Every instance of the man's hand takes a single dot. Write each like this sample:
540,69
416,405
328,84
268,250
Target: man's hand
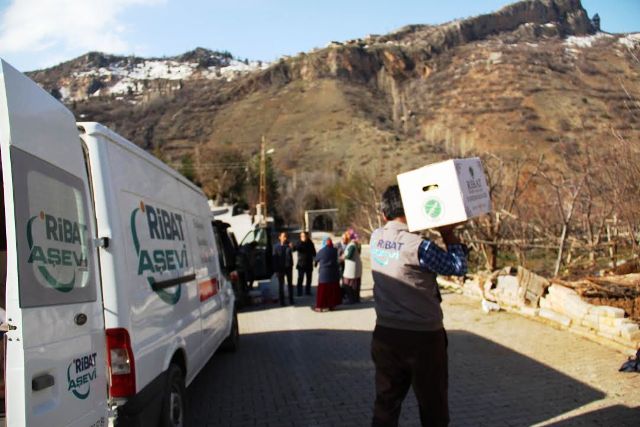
449,237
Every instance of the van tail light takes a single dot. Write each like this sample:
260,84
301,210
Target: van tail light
122,367
234,276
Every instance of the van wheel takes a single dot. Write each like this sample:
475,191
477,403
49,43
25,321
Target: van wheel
174,400
232,342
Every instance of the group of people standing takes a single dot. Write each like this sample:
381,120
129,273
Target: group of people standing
337,265
283,264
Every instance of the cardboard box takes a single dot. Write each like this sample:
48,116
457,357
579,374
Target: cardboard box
444,193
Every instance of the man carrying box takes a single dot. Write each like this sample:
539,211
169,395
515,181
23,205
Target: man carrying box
409,345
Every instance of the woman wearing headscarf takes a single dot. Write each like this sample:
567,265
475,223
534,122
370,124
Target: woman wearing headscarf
328,294
352,273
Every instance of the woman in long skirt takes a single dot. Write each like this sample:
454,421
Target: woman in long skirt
328,295
352,267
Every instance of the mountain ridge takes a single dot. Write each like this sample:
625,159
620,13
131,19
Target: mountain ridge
99,74
535,77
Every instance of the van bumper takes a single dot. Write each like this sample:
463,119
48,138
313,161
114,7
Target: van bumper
143,409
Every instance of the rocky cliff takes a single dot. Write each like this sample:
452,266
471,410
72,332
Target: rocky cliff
534,77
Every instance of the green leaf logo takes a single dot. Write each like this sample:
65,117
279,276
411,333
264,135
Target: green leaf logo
36,255
82,382
168,296
433,208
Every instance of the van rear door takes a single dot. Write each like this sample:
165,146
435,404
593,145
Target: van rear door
55,356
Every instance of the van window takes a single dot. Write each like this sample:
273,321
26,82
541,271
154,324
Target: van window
55,249
257,236
226,253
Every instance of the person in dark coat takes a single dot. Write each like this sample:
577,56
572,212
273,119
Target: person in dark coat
328,295
306,254
283,266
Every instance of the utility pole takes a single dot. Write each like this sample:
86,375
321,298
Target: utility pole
262,198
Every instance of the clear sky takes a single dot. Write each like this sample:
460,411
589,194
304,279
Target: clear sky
41,33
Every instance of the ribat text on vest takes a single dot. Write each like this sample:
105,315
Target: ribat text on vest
389,245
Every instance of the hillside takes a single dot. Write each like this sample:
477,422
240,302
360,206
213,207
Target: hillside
535,77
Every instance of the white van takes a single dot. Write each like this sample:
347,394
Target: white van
115,296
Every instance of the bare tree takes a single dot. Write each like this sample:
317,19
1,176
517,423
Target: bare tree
358,200
595,207
508,183
566,190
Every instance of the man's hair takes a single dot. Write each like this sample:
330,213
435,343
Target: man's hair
391,204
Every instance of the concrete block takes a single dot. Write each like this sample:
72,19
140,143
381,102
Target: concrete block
562,291
604,320
630,335
610,330
626,343
508,282
604,310
554,316
552,297
544,303
506,291
616,321
560,300
529,311
628,327
531,288
556,305
590,321
575,309
623,321
625,346
630,344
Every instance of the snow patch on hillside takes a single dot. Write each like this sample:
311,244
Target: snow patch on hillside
169,70
630,40
234,69
127,79
585,41
64,92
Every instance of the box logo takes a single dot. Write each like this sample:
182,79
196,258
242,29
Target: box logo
474,184
58,249
163,229
80,373
433,208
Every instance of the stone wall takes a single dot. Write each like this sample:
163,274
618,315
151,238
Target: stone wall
520,291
